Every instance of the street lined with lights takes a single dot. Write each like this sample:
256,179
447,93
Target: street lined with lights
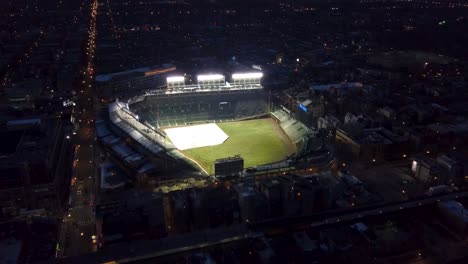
78,223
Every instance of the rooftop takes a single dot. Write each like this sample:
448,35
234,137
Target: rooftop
110,177
456,208
346,85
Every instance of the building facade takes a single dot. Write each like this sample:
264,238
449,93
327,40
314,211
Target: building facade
129,82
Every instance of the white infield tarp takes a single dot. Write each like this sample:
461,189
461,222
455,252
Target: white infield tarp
197,136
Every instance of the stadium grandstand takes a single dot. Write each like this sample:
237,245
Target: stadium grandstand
163,110
230,106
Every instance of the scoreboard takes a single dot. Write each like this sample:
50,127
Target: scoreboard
228,166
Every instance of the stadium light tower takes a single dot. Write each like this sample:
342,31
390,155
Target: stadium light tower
211,80
247,80
175,82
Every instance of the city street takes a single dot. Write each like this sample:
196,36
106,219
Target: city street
79,220
77,235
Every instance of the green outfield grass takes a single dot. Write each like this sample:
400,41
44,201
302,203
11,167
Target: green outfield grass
257,141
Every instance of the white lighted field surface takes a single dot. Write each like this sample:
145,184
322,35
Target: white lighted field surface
197,136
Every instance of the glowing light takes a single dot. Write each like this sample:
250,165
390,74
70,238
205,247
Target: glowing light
251,75
303,108
175,79
414,166
159,71
210,77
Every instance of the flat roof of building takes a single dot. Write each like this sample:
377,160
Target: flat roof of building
346,85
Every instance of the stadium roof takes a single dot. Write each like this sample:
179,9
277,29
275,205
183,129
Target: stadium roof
114,112
122,150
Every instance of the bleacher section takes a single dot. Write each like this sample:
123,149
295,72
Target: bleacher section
281,115
151,139
185,109
249,108
295,130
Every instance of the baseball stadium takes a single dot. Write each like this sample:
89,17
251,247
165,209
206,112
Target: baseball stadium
201,124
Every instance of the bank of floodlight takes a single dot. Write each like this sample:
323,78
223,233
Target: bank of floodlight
210,77
174,79
249,75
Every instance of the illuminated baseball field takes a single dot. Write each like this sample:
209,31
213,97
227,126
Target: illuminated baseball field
258,141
